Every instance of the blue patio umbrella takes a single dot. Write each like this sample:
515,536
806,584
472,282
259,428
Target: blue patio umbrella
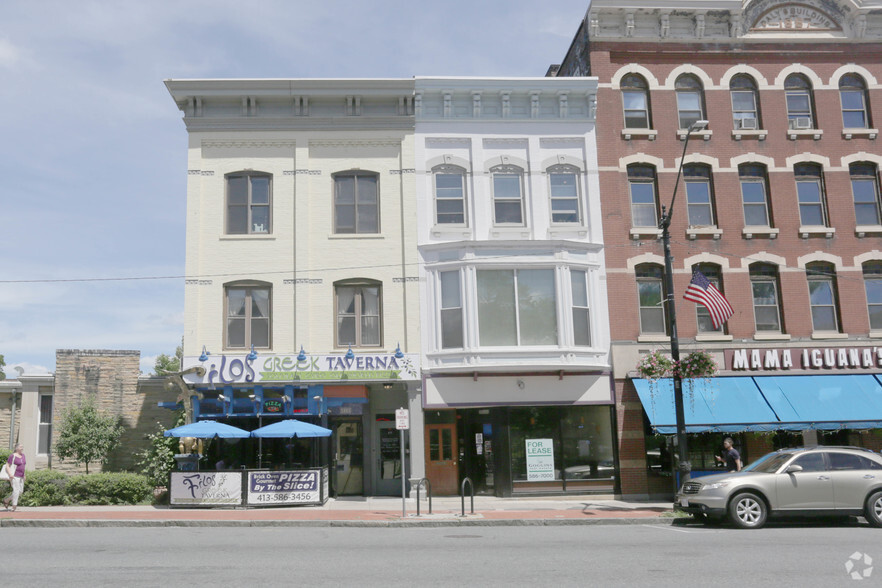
208,430
291,428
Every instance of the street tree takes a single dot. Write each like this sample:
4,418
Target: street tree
2,365
85,435
166,364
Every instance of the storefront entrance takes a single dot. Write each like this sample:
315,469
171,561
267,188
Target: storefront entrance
348,453
387,473
441,459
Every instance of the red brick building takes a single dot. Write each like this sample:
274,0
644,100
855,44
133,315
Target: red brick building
778,205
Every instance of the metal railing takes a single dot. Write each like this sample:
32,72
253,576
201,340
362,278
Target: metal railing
462,494
428,494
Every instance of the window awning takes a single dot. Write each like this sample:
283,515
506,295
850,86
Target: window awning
766,403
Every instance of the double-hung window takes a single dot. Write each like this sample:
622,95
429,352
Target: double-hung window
745,111
358,314
798,95
754,196
449,195
690,100
581,312
248,313
853,96
248,203
650,293
873,286
451,310
766,301
508,195
810,194
517,307
699,195
641,184
865,189
635,100
356,203
822,296
714,275
564,187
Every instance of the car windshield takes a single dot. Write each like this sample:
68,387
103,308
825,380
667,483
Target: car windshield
769,463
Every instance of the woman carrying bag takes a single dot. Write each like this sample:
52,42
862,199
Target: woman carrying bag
16,465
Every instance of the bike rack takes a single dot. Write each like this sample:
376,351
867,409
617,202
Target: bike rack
428,493
462,494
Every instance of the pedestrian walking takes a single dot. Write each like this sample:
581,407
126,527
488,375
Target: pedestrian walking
16,463
731,458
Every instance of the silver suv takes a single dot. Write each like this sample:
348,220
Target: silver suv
837,481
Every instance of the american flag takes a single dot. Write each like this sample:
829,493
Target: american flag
700,290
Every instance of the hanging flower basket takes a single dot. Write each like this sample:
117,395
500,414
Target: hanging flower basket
655,366
698,364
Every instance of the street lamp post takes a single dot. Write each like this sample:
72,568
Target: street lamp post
684,466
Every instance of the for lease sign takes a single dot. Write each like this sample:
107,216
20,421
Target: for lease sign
540,460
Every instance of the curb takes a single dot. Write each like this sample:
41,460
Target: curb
467,522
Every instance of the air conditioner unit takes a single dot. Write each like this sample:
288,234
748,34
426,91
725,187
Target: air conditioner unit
801,122
747,123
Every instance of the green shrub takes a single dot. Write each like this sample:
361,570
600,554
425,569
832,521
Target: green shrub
44,488
109,488
4,454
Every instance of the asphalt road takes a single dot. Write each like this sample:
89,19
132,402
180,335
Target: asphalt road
603,555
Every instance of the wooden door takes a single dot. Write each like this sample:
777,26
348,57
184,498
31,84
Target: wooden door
441,459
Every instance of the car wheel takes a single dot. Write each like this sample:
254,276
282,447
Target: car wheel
748,511
873,509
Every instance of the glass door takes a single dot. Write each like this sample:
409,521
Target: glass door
348,457
387,475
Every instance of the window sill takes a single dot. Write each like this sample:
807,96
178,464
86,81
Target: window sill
771,337
653,232
713,337
509,232
875,335
356,236
650,134
806,232
829,335
759,134
862,231
451,231
695,232
848,134
556,230
653,338
815,134
705,134
751,232
253,237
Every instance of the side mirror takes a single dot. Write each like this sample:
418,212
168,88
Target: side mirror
793,469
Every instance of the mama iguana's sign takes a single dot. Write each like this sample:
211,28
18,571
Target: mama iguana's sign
804,358
239,369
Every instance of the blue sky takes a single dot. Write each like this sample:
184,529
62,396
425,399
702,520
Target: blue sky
93,149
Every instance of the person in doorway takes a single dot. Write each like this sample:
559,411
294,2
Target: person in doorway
17,462
731,458
221,464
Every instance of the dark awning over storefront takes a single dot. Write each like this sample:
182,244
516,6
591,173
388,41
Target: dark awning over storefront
766,403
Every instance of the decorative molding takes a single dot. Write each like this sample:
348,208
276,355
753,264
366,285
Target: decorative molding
196,282
402,171
345,143
289,172
207,172
247,144
406,279
194,172
303,281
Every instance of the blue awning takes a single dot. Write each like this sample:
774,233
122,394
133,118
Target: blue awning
725,405
824,402
767,403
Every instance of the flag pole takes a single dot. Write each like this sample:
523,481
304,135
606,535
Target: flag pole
684,465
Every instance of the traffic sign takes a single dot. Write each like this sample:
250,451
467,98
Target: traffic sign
402,419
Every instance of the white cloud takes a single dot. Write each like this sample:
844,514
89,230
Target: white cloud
9,54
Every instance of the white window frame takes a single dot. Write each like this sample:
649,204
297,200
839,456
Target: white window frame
763,278
694,181
866,178
455,312
576,173
508,170
656,281
518,342
450,170
872,273
807,180
823,275
862,92
762,181
651,182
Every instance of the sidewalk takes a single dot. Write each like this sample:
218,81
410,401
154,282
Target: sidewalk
356,512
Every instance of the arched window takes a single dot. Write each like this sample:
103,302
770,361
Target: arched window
800,102
754,195
690,100
359,313
450,195
873,287
635,101
356,202
714,275
248,203
745,102
853,96
865,190
822,296
644,207
650,294
248,310
811,195
699,195
766,298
